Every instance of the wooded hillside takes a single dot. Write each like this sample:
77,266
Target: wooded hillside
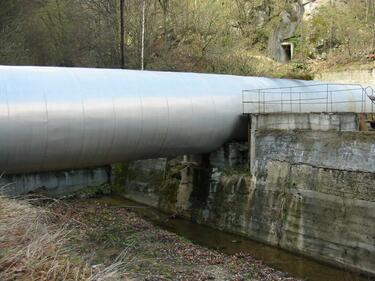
221,36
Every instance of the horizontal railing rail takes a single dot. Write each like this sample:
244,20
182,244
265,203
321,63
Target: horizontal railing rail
310,98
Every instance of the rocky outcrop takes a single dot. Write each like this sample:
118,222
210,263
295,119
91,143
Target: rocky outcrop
290,18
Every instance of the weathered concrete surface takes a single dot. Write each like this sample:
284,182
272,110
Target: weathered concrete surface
143,180
54,183
314,215
350,151
230,156
307,121
311,192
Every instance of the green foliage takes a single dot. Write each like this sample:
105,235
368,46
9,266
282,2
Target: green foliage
169,187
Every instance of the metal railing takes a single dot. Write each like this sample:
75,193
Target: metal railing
311,98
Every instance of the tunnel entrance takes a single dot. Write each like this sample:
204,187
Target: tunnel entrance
288,49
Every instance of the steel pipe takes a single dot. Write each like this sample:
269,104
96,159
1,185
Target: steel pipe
66,118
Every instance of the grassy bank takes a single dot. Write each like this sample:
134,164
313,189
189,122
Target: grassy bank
82,239
36,244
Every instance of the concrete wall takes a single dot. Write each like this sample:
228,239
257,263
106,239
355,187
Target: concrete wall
142,180
54,183
310,190
315,194
366,77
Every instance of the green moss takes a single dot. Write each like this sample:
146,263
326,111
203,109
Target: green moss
240,170
120,174
168,190
169,187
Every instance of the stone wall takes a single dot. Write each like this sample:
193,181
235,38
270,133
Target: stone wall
310,190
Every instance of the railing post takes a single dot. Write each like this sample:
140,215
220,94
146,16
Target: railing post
363,100
259,101
327,99
264,102
243,104
290,97
252,150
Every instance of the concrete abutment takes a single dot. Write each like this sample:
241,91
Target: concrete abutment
304,183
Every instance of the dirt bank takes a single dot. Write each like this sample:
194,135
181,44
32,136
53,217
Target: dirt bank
152,253
115,240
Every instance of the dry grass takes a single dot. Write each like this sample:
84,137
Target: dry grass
34,245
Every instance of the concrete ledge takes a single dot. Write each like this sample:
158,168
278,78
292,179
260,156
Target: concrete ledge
306,121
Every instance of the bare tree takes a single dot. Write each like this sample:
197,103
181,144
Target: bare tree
143,35
122,33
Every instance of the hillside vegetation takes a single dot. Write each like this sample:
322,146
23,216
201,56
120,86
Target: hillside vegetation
221,36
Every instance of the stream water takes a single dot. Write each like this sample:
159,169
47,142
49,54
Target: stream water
295,265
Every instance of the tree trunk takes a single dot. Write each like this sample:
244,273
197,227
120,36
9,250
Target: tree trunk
122,33
143,35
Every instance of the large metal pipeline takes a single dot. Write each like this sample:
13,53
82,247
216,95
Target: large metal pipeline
67,118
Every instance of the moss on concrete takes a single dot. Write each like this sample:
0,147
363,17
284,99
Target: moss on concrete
169,187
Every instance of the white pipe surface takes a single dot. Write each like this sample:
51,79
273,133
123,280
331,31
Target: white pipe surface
66,118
